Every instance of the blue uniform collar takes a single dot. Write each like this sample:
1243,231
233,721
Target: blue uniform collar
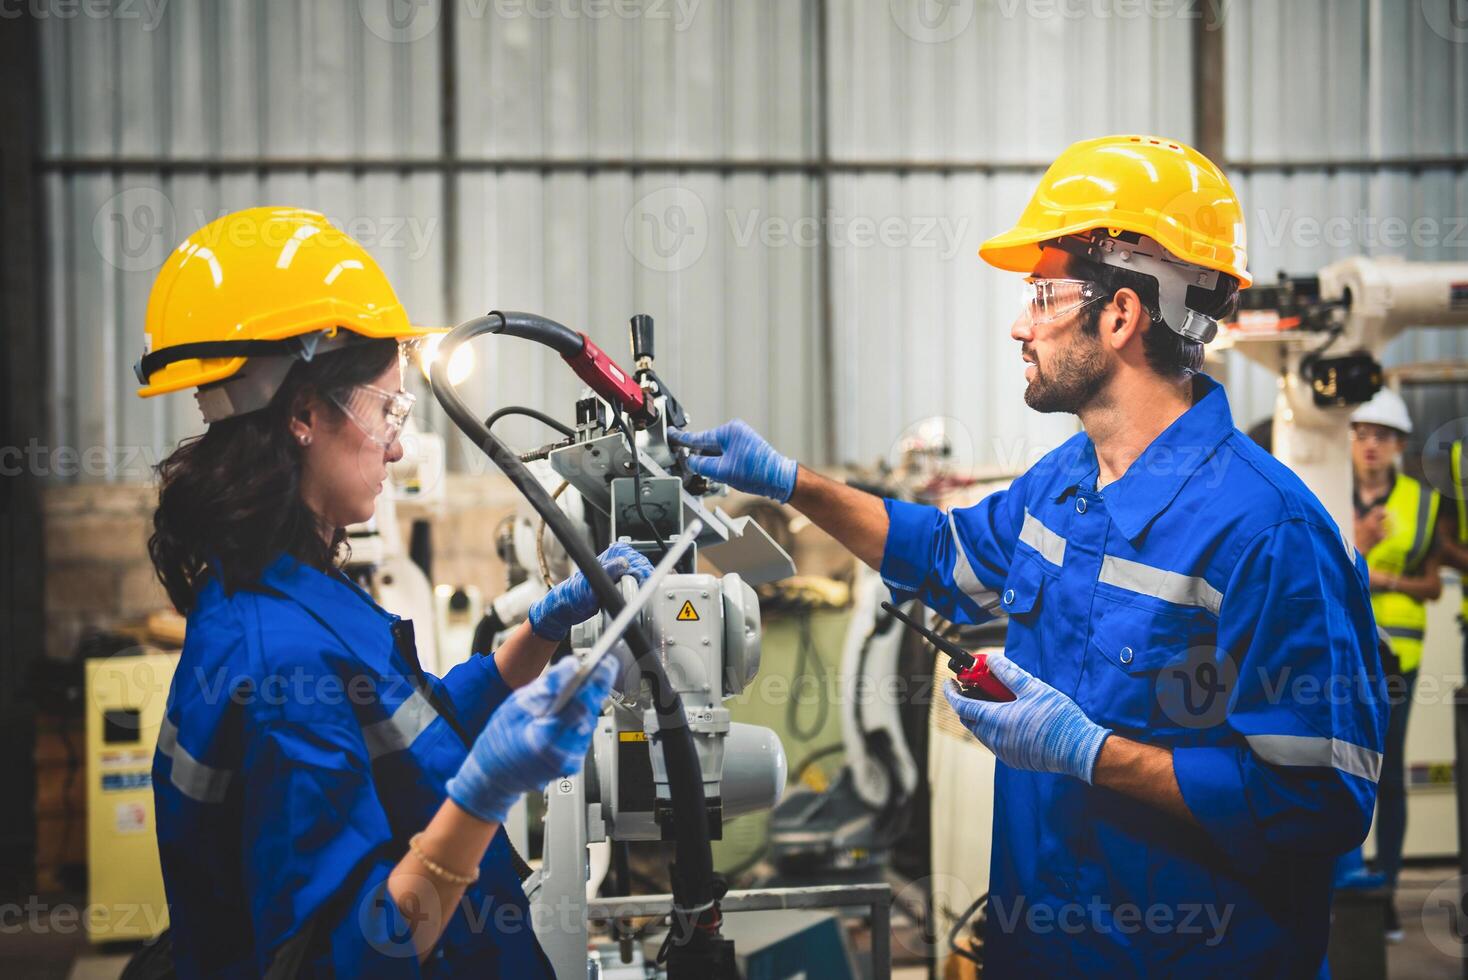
329,595
1155,477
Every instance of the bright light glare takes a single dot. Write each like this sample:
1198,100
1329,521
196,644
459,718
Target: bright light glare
460,367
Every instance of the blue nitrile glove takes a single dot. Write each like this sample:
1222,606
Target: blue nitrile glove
739,456
1041,729
519,751
572,601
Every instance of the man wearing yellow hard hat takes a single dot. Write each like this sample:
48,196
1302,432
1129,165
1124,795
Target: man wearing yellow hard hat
325,806
1197,717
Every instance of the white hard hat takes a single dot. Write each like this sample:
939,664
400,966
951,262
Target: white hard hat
1386,408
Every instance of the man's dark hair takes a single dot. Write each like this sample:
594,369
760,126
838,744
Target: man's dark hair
1168,353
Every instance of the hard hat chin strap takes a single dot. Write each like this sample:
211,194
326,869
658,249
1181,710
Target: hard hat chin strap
1174,277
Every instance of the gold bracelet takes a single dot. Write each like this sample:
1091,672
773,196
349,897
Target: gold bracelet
438,869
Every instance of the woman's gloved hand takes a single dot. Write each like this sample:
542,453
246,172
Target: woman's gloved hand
739,456
572,601
520,751
1041,729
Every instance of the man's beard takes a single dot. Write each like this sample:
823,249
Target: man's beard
1073,378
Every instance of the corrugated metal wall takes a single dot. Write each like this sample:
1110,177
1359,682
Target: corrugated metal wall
922,325
211,87
727,253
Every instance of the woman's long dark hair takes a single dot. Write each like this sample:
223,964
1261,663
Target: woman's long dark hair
229,500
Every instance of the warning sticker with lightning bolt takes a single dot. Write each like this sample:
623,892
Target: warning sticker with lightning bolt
687,614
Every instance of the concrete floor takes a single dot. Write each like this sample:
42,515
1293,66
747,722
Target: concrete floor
1427,950
1425,954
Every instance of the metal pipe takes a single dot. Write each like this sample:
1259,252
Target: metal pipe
636,165
588,165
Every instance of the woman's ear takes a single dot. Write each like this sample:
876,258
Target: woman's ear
304,416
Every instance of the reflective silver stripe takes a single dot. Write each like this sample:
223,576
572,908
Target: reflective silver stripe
964,577
409,720
1312,750
193,779
1050,545
1184,590
1403,632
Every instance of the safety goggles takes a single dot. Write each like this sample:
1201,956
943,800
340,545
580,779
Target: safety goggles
1379,434
380,414
1050,299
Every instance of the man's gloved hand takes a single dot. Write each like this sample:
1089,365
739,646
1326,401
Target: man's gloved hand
572,601
1041,729
520,752
739,456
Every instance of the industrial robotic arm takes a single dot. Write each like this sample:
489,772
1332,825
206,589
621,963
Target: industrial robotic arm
1324,335
667,763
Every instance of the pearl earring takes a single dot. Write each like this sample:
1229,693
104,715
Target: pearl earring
305,440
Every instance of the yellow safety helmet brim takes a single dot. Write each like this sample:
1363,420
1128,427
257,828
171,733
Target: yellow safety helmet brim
264,274
1147,185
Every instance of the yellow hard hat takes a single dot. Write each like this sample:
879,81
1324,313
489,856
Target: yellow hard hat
1146,185
263,282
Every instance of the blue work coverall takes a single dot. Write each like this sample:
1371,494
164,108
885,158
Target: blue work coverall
1205,603
302,747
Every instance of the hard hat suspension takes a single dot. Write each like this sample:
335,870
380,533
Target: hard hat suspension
1140,254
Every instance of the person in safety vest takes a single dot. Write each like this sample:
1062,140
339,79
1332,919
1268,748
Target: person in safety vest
1452,536
1396,529
325,806
1169,798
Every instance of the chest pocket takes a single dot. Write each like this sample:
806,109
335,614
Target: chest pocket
1153,670
1021,599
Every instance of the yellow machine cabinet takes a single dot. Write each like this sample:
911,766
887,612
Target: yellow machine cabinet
126,697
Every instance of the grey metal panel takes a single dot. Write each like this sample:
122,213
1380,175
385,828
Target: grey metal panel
278,78
735,310
1333,79
923,325
715,78
1007,80
1296,79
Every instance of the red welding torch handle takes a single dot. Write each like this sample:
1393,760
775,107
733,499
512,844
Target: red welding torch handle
602,374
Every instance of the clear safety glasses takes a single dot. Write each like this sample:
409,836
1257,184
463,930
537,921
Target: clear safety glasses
1050,299
380,414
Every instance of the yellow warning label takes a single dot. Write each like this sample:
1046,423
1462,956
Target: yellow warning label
632,736
687,614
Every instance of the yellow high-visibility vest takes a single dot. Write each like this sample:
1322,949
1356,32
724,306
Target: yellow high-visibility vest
1411,512
1456,456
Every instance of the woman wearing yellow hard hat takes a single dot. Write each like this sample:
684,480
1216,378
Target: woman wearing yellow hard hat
324,805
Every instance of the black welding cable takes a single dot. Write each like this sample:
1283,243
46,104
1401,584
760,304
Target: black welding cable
958,925
532,413
694,883
808,663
